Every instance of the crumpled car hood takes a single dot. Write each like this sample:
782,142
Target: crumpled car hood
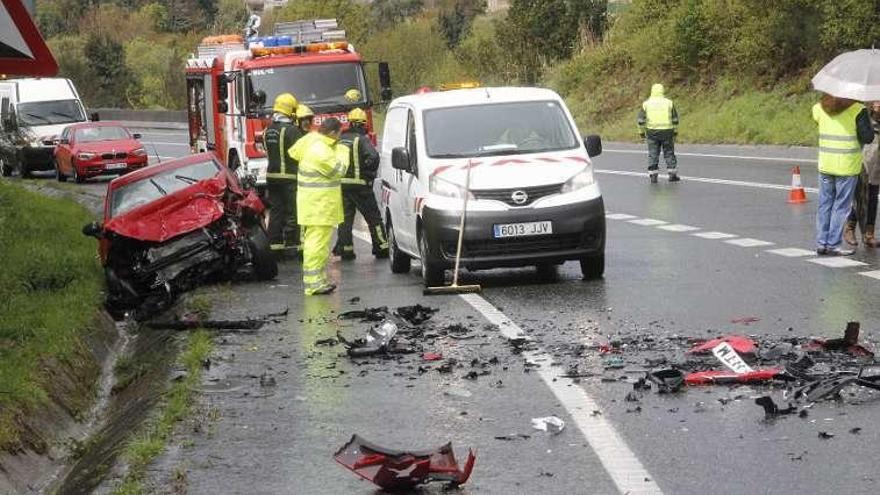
186,210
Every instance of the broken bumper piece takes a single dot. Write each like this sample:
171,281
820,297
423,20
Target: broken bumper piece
396,469
717,377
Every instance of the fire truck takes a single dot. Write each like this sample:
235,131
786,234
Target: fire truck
232,82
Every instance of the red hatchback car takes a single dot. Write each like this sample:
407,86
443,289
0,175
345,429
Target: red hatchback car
97,148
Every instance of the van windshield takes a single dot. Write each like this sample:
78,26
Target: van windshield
497,129
50,112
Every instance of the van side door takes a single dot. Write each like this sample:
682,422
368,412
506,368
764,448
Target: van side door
392,194
410,183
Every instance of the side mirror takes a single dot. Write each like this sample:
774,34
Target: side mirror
258,99
400,159
593,143
222,106
64,141
94,117
385,81
93,229
136,135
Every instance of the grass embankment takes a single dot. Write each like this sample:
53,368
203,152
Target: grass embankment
151,441
50,288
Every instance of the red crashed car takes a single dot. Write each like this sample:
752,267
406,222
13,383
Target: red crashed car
97,148
172,226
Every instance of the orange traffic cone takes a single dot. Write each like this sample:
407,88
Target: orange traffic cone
797,194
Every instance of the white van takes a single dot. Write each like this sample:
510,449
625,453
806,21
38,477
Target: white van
39,109
533,198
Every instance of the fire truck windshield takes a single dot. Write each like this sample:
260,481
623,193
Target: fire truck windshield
317,85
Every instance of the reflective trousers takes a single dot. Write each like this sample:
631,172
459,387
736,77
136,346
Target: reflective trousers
283,230
316,253
360,198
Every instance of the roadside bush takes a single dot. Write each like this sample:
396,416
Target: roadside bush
50,287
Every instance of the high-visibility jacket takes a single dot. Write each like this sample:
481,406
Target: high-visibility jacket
363,159
278,137
658,112
840,152
322,163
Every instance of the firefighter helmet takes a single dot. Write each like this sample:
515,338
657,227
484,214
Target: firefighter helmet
357,115
303,112
353,95
285,103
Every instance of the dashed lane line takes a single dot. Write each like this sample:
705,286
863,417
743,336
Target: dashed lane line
792,252
677,227
872,274
712,155
837,262
619,216
621,464
714,235
648,222
709,180
749,242
619,461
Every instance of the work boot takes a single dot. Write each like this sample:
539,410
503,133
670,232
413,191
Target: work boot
840,252
381,253
653,176
325,290
869,239
849,233
673,176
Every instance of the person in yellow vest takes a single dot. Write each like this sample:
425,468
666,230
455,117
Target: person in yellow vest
844,127
357,189
278,137
322,163
868,189
658,125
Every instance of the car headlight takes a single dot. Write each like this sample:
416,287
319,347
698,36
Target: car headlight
441,187
583,179
139,152
85,155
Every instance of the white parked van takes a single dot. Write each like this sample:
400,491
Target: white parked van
533,198
38,109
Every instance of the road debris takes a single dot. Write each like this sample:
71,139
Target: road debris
550,424
192,322
397,469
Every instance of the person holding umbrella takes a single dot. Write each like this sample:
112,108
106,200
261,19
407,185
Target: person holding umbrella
844,127
865,207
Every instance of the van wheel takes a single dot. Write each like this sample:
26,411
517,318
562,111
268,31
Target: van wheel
593,267
23,170
547,272
432,274
400,262
5,167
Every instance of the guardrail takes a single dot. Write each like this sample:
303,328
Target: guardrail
144,119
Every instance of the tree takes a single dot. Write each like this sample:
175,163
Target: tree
387,13
112,77
455,17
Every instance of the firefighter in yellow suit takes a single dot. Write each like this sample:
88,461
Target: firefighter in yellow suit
322,164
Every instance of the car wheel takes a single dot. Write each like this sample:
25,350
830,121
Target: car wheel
59,175
400,262
76,177
23,170
593,267
432,273
547,272
264,262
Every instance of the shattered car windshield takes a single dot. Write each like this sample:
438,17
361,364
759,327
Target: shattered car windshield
50,112
500,129
149,189
102,133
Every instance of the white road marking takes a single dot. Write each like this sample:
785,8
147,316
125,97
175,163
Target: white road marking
619,216
709,180
619,461
872,274
621,464
714,235
677,227
648,222
792,252
712,155
749,242
836,262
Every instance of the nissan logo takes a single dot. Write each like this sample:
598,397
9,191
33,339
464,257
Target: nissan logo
519,197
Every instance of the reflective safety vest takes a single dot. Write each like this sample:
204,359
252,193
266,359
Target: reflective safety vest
278,137
322,164
839,150
658,113
353,176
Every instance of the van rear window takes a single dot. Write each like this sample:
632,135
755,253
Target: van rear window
497,129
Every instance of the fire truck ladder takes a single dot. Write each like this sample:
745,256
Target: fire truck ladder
314,31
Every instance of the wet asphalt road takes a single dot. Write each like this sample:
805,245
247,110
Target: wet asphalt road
659,280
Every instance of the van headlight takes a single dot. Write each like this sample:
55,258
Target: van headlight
579,181
442,187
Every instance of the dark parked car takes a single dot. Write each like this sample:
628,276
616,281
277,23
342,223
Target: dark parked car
172,226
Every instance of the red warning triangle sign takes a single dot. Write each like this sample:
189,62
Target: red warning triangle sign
22,49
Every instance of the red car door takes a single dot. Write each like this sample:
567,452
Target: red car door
63,153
